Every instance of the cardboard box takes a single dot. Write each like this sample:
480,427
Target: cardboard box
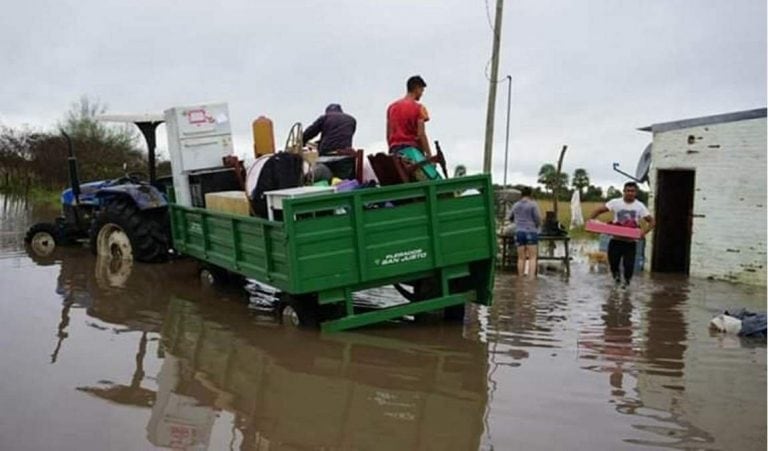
233,202
614,230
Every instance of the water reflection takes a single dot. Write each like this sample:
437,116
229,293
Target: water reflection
663,375
16,214
352,391
666,333
132,394
661,372
284,388
617,346
550,366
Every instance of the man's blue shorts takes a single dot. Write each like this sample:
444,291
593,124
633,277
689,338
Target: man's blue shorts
526,238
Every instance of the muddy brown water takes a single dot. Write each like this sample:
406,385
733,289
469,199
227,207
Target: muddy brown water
98,356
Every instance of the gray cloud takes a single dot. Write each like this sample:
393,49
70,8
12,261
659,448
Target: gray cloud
585,73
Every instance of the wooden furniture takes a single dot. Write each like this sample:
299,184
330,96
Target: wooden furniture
546,242
392,170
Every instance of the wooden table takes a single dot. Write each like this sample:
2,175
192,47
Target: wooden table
509,251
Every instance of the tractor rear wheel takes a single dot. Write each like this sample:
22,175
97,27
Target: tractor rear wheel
123,231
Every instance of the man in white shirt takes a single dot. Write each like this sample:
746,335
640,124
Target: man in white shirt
627,212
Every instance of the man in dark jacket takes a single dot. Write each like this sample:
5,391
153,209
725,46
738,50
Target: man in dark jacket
336,129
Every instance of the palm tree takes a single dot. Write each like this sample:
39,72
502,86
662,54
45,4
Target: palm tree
580,180
548,177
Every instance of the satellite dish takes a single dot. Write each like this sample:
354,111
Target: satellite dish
644,165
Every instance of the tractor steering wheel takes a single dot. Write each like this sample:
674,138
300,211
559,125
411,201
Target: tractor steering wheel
137,177
132,177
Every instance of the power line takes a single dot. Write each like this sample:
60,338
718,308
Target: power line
488,16
493,31
490,114
487,76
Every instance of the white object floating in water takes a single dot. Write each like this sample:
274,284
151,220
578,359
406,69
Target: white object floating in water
726,323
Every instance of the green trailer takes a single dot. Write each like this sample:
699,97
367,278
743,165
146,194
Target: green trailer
435,241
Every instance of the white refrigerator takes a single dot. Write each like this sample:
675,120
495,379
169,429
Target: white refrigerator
199,136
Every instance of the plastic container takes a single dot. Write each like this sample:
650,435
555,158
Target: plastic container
263,136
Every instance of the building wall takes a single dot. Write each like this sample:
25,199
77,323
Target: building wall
729,225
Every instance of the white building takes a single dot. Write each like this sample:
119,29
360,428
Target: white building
708,194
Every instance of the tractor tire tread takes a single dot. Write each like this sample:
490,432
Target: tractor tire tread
47,227
145,232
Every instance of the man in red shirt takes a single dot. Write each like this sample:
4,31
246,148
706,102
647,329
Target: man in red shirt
406,118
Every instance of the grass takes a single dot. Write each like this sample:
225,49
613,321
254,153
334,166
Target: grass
45,196
35,194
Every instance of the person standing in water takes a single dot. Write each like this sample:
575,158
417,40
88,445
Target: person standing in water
627,212
527,218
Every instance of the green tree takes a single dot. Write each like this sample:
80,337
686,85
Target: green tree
580,180
549,179
612,193
101,149
547,175
38,158
594,193
642,196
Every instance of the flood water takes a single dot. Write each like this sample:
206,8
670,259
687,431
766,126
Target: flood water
99,356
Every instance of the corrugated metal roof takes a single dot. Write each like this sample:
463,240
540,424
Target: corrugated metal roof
706,120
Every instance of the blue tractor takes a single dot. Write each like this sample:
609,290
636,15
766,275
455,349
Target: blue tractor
126,218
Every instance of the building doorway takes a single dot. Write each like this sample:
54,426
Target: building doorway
674,221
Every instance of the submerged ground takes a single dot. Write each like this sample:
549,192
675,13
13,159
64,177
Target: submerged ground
95,356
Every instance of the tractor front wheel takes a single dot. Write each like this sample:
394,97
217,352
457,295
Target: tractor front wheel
42,238
123,231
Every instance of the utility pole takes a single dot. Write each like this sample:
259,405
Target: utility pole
488,155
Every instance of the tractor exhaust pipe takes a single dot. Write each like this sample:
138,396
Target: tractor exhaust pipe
74,180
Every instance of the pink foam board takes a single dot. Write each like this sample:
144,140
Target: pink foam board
614,230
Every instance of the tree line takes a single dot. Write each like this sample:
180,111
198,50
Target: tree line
38,158
580,182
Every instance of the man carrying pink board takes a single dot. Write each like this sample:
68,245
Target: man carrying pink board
627,213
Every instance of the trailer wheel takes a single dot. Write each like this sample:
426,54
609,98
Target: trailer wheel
300,311
455,313
423,290
212,277
429,288
42,238
122,230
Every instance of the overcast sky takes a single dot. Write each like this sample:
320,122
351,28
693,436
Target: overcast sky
586,73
